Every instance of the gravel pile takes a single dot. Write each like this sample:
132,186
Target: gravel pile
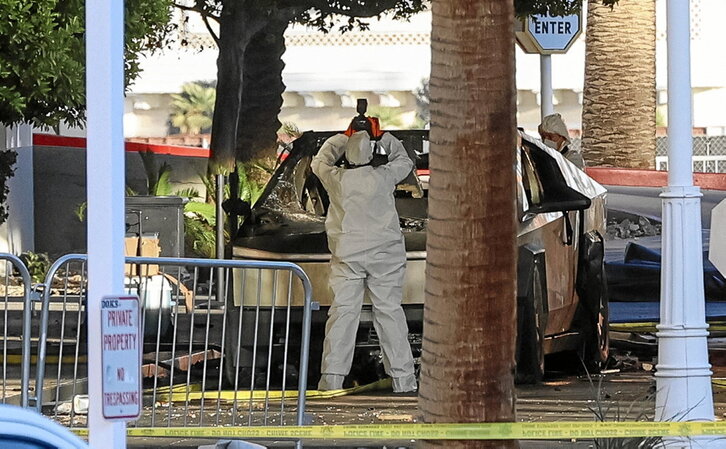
634,227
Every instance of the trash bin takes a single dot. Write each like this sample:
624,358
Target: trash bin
158,215
154,294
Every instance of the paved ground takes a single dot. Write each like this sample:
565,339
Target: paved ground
647,202
568,398
624,393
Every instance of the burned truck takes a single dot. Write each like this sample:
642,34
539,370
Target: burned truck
561,294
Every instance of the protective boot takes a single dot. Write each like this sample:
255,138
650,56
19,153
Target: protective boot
331,382
405,384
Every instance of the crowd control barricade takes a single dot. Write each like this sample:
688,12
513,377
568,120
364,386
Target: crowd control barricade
17,310
206,362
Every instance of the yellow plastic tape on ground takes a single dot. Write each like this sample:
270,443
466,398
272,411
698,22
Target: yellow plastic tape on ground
713,326
474,431
17,359
180,393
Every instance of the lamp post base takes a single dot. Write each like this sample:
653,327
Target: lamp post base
683,377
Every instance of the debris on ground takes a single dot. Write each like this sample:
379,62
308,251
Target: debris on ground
633,227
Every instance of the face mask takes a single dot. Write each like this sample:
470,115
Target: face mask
551,144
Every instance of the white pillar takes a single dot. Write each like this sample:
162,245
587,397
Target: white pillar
106,170
18,231
683,376
545,81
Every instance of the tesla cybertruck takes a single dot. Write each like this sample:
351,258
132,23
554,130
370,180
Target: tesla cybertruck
561,292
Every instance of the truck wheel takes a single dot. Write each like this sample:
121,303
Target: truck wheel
593,312
600,344
531,315
242,357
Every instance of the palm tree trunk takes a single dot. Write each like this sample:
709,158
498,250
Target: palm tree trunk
619,104
262,90
237,25
469,331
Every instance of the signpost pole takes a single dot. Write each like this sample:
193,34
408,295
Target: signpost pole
683,376
545,73
546,35
105,181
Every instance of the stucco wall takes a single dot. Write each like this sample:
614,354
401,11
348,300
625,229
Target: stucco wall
60,186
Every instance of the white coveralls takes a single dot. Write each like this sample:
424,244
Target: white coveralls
368,254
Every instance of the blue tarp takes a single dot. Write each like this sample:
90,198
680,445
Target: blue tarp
646,312
637,276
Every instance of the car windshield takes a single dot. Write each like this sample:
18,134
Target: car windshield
295,193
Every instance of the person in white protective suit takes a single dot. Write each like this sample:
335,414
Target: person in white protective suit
368,254
555,135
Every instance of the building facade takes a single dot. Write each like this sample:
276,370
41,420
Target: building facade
389,64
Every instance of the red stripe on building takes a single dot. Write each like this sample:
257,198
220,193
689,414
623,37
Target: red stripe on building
651,178
50,140
604,175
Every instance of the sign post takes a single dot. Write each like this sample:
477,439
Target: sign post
105,186
545,90
121,357
547,35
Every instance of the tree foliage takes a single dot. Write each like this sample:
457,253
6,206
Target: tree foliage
552,7
251,43
42,62
249,68
42,56
192,109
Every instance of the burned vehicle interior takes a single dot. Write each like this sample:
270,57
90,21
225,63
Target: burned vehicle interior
560,282
290,214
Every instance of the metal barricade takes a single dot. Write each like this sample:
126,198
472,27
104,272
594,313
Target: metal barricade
16,307
207,361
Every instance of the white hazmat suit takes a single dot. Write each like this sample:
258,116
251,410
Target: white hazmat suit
368,255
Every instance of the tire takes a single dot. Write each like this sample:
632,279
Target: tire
246,344
593,311
245,362
531,315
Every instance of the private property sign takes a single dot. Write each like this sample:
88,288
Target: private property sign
546,34
121,357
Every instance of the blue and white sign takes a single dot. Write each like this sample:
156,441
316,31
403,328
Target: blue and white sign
546,34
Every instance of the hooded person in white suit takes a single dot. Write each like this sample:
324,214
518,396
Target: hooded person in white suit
555,135
368,255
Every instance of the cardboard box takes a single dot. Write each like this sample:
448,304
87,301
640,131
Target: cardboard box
149,248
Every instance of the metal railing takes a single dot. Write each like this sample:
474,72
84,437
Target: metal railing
701,164
709,153
14,302
210,357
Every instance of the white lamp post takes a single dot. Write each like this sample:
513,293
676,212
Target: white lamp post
105,179
683,374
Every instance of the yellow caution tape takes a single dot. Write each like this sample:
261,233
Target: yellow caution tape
651,327
473,431
17,359
180,393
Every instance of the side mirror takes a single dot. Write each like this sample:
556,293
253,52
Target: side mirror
575,201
